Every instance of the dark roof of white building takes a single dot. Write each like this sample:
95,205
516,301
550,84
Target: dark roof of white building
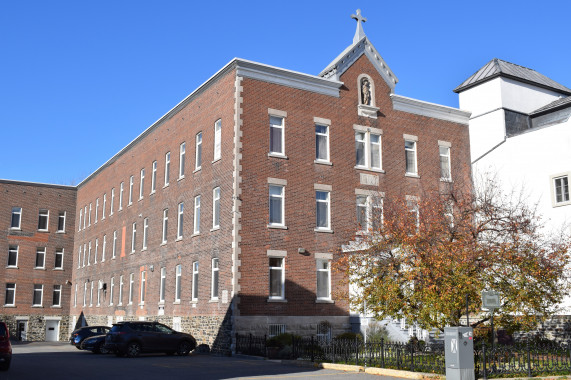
496,68
558,104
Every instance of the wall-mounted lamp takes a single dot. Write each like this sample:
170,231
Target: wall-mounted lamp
152,268
303,251
67,282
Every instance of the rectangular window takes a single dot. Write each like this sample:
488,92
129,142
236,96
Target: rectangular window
198,158
369,212
56,299
121,190
197,214
322,210
163,285
89,219
84,217
445,172
216,208
112,201
80,218
214,285
142,184
413,209
143,286
13,256
84,253
277,135
43,218
84,294
277,205
165,224
167,168
89,255
79,258
277,277
104,205
41,258
410,157
217,140
114,248
131,287
145,232
75,296
58,264
61,222
131,184
323,279
368,150
91,294
120,301
96,250
16,221
154,178
10,299
96,209
103,248
133,237
38,294
322,143
195,281
180,219
112,291
177,288
181,155
561,187
99,288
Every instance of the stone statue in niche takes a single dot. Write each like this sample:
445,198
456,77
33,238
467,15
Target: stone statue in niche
365,92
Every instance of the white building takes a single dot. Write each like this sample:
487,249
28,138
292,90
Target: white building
520,130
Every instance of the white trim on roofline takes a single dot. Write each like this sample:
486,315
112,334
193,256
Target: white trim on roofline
419,107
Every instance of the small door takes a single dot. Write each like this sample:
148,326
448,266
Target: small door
52,331
22,330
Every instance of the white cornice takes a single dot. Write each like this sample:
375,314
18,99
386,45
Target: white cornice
419,107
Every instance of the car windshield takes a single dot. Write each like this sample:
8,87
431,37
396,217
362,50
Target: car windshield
164,329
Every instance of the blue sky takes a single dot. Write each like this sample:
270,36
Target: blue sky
79,80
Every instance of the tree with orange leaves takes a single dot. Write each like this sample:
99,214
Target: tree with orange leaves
421,257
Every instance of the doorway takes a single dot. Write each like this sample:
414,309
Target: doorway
22,330
52,330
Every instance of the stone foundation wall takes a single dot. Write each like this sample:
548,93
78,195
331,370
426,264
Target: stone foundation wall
36,331
557,328
299,325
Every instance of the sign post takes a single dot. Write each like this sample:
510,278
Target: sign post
491,302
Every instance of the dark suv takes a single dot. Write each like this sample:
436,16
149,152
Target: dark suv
5,347
77,336
132,338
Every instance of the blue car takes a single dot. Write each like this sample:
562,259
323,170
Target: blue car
95,344
77,336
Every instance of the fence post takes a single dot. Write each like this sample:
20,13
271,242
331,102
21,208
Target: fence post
312,348
411,356
250,345
485,374
528,360
382,352
356,350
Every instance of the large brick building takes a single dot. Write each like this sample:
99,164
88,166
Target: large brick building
225,215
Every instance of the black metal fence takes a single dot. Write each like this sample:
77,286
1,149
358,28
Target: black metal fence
521,359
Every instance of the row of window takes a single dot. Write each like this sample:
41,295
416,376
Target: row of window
85,254
86,211
40,262
37,295
368,147
43,220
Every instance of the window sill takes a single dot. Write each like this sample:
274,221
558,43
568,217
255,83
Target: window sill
324,301
411,175
375,170
11,306
195,234
328,163
62,232
143,249
178,239
57,306
152,192
120,209
140,199
328,231
19,229
130,253
38,306
214,229
216,160
180,178
12,267
276,300
560,204
163,243
166,185
194,301
449,180
277,155
197,170
49,231
61,269
277,227
176,302
41,268
213,300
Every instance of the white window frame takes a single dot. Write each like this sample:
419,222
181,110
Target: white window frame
75,296
142,184
276,269
368,146
121,191
181,163
145,233
59,252
195,280
114,250
61,215
131,184
85,217
217,140
276,185
215,279
89,219
553,183
216,208
154,178
41,290
281,128
133,237
42,251
178,283
320,260
99,287
447,156
96,249
131,287
91,294
198,152
18,211
120,301
84,254
373,200
324,123
143,287
57,290
79,258
112,201
89,254
111,291
167,168
44,218
413,206
104,205
13,250
162,285
165,225
103,248
96,209
180,221
85,294
13,289
323,189
80,218
408,151
196,216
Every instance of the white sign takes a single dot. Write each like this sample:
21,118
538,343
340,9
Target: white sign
453,345
490,300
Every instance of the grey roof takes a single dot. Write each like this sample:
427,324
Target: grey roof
559,103
496,68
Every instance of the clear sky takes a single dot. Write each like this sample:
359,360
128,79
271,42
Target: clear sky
79,80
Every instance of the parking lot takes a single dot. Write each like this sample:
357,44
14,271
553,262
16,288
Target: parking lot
63,361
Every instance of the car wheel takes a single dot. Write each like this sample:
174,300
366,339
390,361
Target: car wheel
133,349
101,349
184,348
